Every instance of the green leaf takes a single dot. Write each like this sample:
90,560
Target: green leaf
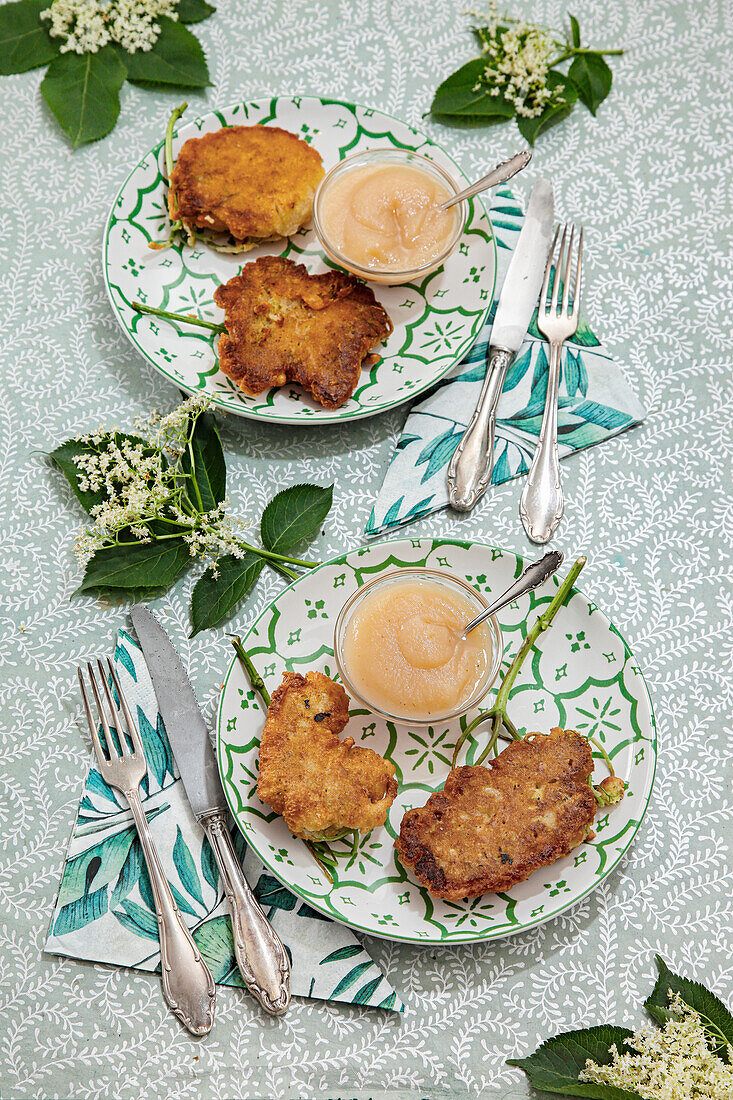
592,77
215,942
531,128
24,40
176,58
137,565
294,516
138,920
214,598
574,30
64,455
270,892
193,11
130,873
204,461
82,90
186,867
459,97
341,953
364,995
556,1064
352,976
77,914
209,866
716,1019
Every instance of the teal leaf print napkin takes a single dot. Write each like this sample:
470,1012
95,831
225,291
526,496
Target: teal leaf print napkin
104,910
595,404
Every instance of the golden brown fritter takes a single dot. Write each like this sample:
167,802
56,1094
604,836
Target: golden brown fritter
319,784
255,182
491,827
284,325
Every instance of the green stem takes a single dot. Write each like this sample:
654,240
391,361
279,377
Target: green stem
604,754
189,319
290,574
270,555
498,713
193,467
253,675
577,50
175,115
319,861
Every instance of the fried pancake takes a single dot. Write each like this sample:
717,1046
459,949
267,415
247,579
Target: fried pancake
319,784
255,182
284,325
491,827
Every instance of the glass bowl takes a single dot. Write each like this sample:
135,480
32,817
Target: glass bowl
387,156
477,602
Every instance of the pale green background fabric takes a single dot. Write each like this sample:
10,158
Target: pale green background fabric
650,178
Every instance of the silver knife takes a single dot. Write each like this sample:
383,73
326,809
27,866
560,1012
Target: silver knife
261,957
469,473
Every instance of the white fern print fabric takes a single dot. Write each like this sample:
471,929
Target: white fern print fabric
651,509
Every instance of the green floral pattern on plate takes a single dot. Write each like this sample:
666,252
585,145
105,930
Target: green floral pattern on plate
586,679
435,321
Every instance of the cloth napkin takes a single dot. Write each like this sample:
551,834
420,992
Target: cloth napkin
595,404
104,909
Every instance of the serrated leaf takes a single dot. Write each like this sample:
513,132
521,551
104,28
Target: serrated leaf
557,1063
204,462
186,868
574,30
459,96
716,1018
531,128
215,598
592,77
294,516
138,565
82,91
176,58
193,11
24,39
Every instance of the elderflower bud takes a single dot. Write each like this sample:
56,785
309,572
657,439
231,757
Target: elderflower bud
611,790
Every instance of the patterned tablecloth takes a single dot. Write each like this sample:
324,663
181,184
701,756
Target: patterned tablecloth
648,508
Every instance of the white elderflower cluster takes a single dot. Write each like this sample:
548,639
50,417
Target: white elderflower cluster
518,58
88,25
676,1062
168,433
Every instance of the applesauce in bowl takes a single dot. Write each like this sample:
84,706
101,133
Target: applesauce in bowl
399,647
378,215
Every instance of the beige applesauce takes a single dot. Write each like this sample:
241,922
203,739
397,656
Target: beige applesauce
387,217
404,654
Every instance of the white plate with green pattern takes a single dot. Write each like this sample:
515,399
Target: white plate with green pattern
435,320
582,676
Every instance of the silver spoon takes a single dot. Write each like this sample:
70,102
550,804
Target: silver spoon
500,174
532,577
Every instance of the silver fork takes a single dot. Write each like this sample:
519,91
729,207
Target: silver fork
542,505
188,987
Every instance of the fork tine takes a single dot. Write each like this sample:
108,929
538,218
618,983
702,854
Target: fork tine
111,747
114,711
564,307
578,270
101,755
558,268
131,727
548,272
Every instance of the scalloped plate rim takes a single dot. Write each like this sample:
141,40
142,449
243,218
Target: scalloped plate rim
486,935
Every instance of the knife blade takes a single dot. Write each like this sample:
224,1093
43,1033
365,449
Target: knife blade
472,464
260,955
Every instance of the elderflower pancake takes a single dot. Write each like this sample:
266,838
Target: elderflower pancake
254,182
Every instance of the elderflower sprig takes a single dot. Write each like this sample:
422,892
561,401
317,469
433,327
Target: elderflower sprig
675,1062
86,26
687,1057
518,74
157,499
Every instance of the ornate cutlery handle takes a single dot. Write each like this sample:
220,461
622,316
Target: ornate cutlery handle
541,506
188,986
470,469
261,957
